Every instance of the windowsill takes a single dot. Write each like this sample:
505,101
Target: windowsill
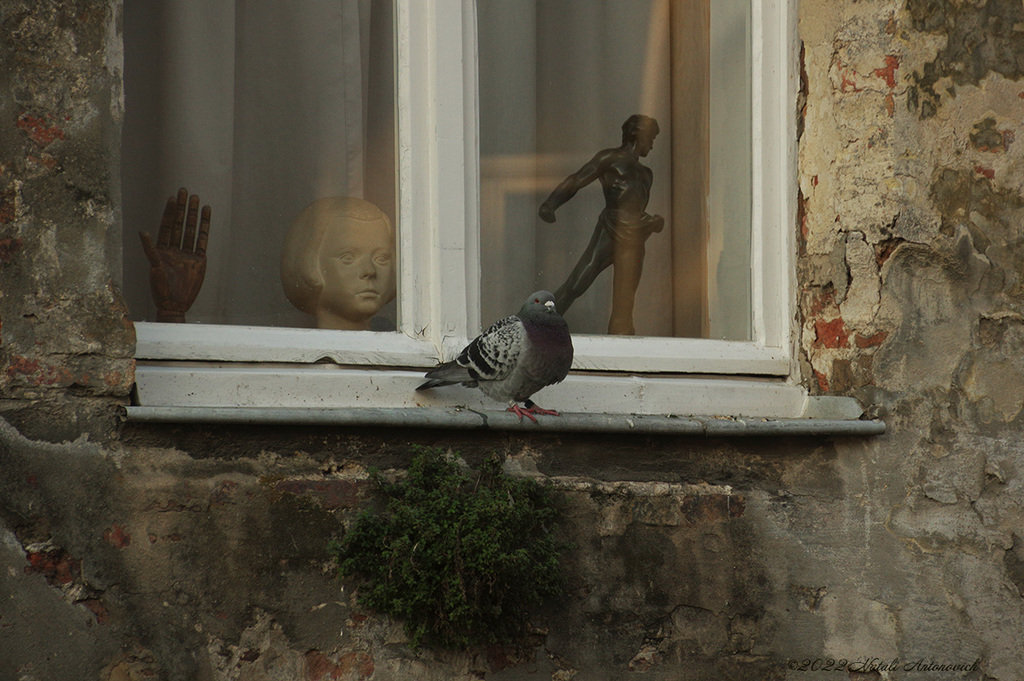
327,394
330,386
471,419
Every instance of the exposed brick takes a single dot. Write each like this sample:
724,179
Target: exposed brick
115,379
96,607
39,129
888,72
870,341
801,215
822,381
8,199
117,536
847,76
38,373
355,666
831,334
8,247
56,566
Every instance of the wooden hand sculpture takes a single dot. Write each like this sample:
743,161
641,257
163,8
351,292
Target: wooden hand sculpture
177,264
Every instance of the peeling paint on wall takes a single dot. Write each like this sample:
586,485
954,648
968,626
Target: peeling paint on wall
981,38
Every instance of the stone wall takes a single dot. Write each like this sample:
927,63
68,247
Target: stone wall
177,552
66,344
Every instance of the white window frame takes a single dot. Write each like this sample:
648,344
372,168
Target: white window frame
193,365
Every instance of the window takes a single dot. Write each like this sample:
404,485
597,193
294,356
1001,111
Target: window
480,120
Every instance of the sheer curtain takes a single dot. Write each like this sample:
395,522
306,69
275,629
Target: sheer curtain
259,107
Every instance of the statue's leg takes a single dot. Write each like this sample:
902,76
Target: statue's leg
629,265
595,259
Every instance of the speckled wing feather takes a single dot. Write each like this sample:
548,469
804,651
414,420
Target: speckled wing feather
492,355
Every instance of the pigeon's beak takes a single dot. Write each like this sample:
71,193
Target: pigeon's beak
550,305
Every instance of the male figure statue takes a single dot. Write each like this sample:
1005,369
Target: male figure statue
623,226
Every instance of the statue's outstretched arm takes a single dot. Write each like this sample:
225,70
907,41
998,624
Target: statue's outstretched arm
568,187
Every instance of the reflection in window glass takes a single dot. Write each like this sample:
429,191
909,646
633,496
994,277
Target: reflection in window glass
268,111
558,81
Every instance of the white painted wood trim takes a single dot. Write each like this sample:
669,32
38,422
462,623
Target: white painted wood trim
333,387
438,170
679,355
773,89
223,343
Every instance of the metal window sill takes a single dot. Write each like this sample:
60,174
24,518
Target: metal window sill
472,419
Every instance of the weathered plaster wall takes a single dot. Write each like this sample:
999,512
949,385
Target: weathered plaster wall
66,344
911,261
200,553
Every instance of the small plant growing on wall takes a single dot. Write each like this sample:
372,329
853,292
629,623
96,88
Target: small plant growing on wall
460,556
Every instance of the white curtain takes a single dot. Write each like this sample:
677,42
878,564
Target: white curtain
259,107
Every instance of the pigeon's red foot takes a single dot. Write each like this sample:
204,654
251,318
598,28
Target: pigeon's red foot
520,412
530,410
534,409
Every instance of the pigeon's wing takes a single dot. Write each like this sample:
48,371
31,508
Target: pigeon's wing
448,373
493,355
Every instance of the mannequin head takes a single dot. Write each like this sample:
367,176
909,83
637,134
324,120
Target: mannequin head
338,262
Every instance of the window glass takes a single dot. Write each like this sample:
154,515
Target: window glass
280,117
651,232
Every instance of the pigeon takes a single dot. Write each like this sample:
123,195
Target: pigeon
514,358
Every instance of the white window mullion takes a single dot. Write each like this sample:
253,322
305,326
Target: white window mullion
415,243
471,165
437,112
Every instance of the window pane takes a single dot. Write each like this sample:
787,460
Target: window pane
262,108
558,81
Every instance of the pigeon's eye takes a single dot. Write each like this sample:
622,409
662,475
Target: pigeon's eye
536,300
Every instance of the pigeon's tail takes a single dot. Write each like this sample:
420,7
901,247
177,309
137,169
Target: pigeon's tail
448,373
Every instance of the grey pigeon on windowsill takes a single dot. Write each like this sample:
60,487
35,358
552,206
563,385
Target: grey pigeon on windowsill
514,358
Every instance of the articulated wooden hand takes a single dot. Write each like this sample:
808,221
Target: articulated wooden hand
178,260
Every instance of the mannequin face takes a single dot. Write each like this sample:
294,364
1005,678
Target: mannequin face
358,267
